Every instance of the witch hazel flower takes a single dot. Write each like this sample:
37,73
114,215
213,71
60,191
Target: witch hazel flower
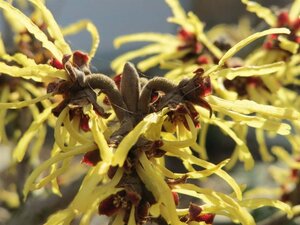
189,46
126,139
282,18
129,166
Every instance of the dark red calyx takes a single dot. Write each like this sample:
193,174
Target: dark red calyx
111,205
91,158
117,79
112,171
51,87
133,197
202,60
283,19
194,211
296,24
268,45
203,84
56,63
84,122
254,81
175,197
185,35
80,58
205,87
198,47
208,218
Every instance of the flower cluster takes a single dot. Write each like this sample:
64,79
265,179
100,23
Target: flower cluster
125,128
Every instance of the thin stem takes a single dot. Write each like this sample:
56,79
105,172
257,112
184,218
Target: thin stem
108,87
156,84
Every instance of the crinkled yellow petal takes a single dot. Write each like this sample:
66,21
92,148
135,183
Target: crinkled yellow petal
146,37
36,92
39,73
52,176
193,175
294,142
271,83
131,138
237,47
63,217
294,10
247,107
53,28
243,150
104,150
152,179
57,158
10,198
179,70
202,140
38,143
185,138
256,57
263,192
91,193
186,24
128,141
14,24
207,165
249,71
157,59
233,159
119,219
262,12
19,58
201,150
261,202
279,174
221,91
202,38
32,108
118,63
288,45
59,138
20,149
222,201
87,217
54,182
296,209
256,121
197,223
283,154
131,220
177,9
32,28
74,131
4,95
95,175
90,27
262,147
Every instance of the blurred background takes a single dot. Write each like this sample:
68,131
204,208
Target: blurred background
119,17
114,18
